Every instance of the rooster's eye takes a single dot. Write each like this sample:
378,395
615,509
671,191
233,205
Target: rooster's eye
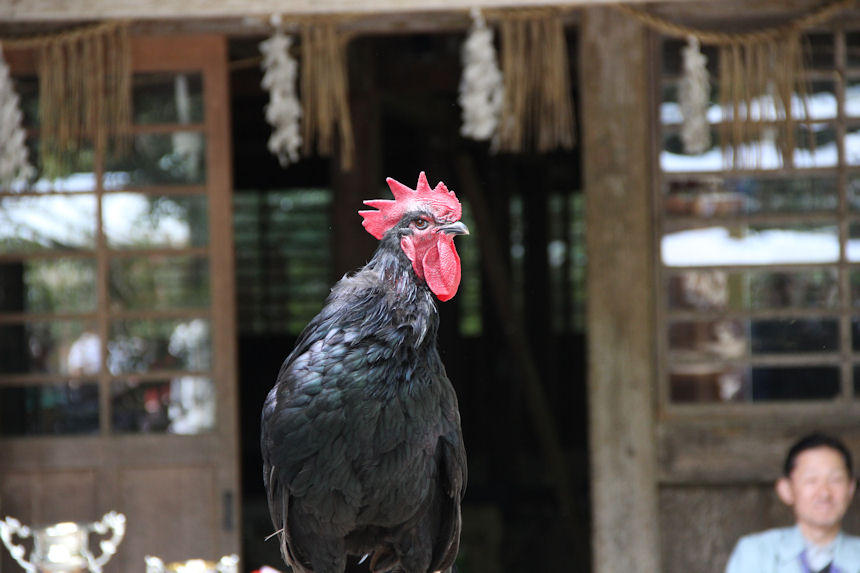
421,224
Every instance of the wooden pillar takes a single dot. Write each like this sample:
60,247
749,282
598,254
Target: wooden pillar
621,379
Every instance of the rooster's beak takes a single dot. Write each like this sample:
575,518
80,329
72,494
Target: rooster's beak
457,228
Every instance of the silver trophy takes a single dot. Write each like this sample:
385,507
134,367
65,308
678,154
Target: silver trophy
64,547
227,564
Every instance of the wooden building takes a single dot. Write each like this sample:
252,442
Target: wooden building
642,328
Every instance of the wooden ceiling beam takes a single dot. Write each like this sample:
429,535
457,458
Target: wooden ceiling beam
88,10
250,18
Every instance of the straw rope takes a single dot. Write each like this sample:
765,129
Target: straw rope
73,35
84,90
817,16
324,88
537,110
760,72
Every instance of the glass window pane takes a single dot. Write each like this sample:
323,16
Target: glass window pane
852,97
673,157
852,49
184,405
670,107
854,279
50,347
852,145
167,97
799,383
708,340
137,220
716,290
158,159
717,196
821,50
786,336
48,285
159,282
853,192
159,344
698,384
855,334
732,338
50,409
73,171
703,384
857,382
815,145
852,249
745,244
820,102
33,223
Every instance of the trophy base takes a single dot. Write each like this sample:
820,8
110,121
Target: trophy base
62,568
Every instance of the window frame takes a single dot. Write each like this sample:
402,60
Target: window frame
847,404
168,54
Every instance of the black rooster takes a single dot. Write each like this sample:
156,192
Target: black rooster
362,449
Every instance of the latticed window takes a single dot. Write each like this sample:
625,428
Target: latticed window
105,276
759,274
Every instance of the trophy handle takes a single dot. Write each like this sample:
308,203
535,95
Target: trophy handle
228,564
116,523
9,527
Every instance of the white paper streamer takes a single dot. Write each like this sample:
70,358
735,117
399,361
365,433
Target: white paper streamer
694,96
284,110
481,88
15,166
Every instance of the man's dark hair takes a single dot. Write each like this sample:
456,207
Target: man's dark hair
816,440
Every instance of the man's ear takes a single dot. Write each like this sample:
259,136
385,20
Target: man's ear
784,491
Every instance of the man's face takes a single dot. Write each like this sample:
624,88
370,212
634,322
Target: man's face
819,489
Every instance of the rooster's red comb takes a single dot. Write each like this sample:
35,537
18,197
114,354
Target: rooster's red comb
439,201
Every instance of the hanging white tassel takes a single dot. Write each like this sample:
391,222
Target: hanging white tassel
481,88
694,96
15,168
284,110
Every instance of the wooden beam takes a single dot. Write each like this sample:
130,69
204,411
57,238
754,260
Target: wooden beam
20,18
615,115
84,10
746,450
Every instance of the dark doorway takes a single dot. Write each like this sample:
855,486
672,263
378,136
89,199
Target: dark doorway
297,232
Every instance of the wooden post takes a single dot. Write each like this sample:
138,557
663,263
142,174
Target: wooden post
621,379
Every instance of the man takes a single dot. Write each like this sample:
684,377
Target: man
818,484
